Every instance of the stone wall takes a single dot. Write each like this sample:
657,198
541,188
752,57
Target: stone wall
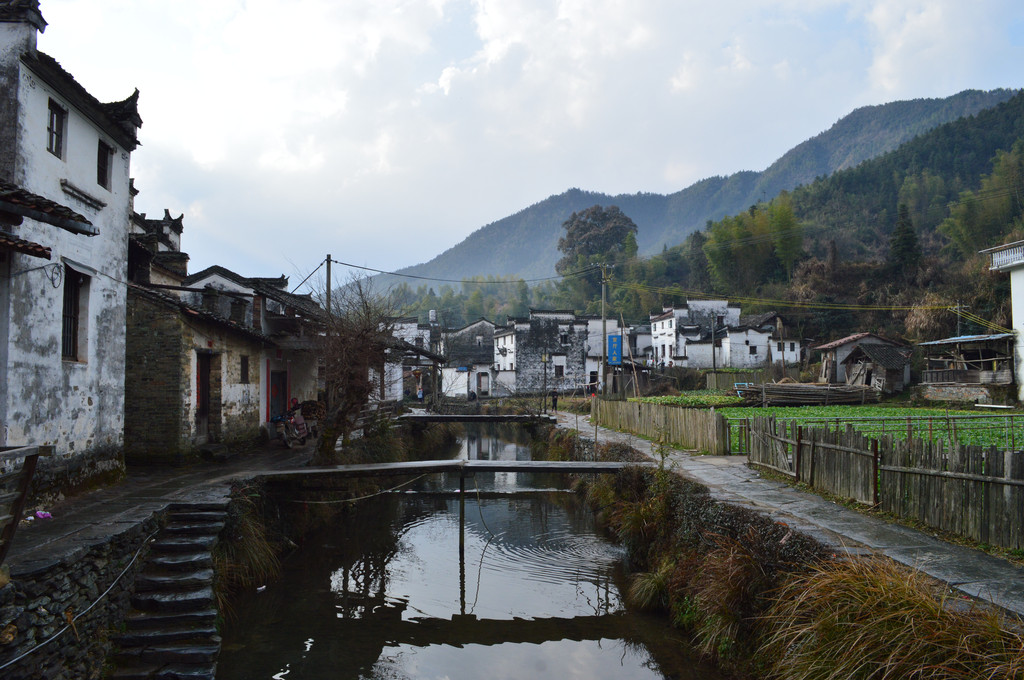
545,336
59,476
39,597
156,377
966,394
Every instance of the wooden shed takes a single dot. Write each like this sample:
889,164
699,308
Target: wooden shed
884,367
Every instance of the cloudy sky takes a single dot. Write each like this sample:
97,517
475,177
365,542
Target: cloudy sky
384,131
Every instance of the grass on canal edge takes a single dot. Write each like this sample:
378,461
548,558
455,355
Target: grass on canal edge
767,602
245,557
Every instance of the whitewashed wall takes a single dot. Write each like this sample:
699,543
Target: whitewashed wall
78,406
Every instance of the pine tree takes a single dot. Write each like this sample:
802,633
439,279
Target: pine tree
904,251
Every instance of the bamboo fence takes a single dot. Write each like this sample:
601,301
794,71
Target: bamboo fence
686,428
969,490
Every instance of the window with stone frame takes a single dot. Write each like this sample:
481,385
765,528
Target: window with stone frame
244,370
57,122
76,303
104,164
753,349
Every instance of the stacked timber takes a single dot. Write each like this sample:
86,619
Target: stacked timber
807,394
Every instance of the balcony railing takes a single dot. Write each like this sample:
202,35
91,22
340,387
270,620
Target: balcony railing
968,377
1011,256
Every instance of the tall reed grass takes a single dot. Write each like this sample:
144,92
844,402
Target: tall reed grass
872,618
768,602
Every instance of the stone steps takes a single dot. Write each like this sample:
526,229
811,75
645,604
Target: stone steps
157,581
171,633
139,621
178,543
184,561
176,601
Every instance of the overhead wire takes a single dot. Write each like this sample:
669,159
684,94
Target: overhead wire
581,272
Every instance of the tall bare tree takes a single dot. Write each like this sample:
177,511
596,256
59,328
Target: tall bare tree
356,344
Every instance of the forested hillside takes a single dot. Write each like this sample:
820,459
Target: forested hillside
525,244
888,246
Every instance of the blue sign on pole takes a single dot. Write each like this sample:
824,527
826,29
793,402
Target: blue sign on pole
614,350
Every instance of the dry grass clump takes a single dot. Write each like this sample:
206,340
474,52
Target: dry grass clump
728,594
574,405
871,618
244,558
559,445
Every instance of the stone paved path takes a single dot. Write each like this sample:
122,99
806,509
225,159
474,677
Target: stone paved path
968,571
88,519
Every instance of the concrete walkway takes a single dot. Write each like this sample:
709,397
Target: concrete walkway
970,572
90,519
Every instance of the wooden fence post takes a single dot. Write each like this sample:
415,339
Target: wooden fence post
796,451
874,472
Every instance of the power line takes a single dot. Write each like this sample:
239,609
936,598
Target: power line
517,281
310,276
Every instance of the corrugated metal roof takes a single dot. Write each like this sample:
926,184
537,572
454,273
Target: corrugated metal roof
969,338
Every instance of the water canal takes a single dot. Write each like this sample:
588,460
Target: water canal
386,593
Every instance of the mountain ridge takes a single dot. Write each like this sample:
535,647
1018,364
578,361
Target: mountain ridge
524,244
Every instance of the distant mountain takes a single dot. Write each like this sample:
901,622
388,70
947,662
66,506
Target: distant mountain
525,244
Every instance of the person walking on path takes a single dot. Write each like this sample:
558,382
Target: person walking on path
554,400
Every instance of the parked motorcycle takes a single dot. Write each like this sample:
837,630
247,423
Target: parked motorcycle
291,428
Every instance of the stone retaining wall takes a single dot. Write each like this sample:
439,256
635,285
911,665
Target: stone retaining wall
39,597
59,476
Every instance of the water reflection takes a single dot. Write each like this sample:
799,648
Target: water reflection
384,594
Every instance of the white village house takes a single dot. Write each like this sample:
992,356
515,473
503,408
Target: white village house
545,351
711,333
64,222
469,360
1009,257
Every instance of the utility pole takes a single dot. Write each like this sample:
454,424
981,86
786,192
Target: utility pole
604,331
330,320
714,360
544,388
959,309
328,295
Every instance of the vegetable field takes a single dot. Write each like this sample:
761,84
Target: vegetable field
694,399
1004,431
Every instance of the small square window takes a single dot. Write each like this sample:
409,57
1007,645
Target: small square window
244,379
753,349
55,129
104,164
782,346
792,347
559,371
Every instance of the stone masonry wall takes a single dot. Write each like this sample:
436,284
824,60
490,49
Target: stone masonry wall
39,597
59,476
967,394
156,372
545,336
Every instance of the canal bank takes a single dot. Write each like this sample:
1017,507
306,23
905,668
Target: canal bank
776,583
970,573
73,574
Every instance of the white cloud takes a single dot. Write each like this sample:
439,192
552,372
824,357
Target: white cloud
429,118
